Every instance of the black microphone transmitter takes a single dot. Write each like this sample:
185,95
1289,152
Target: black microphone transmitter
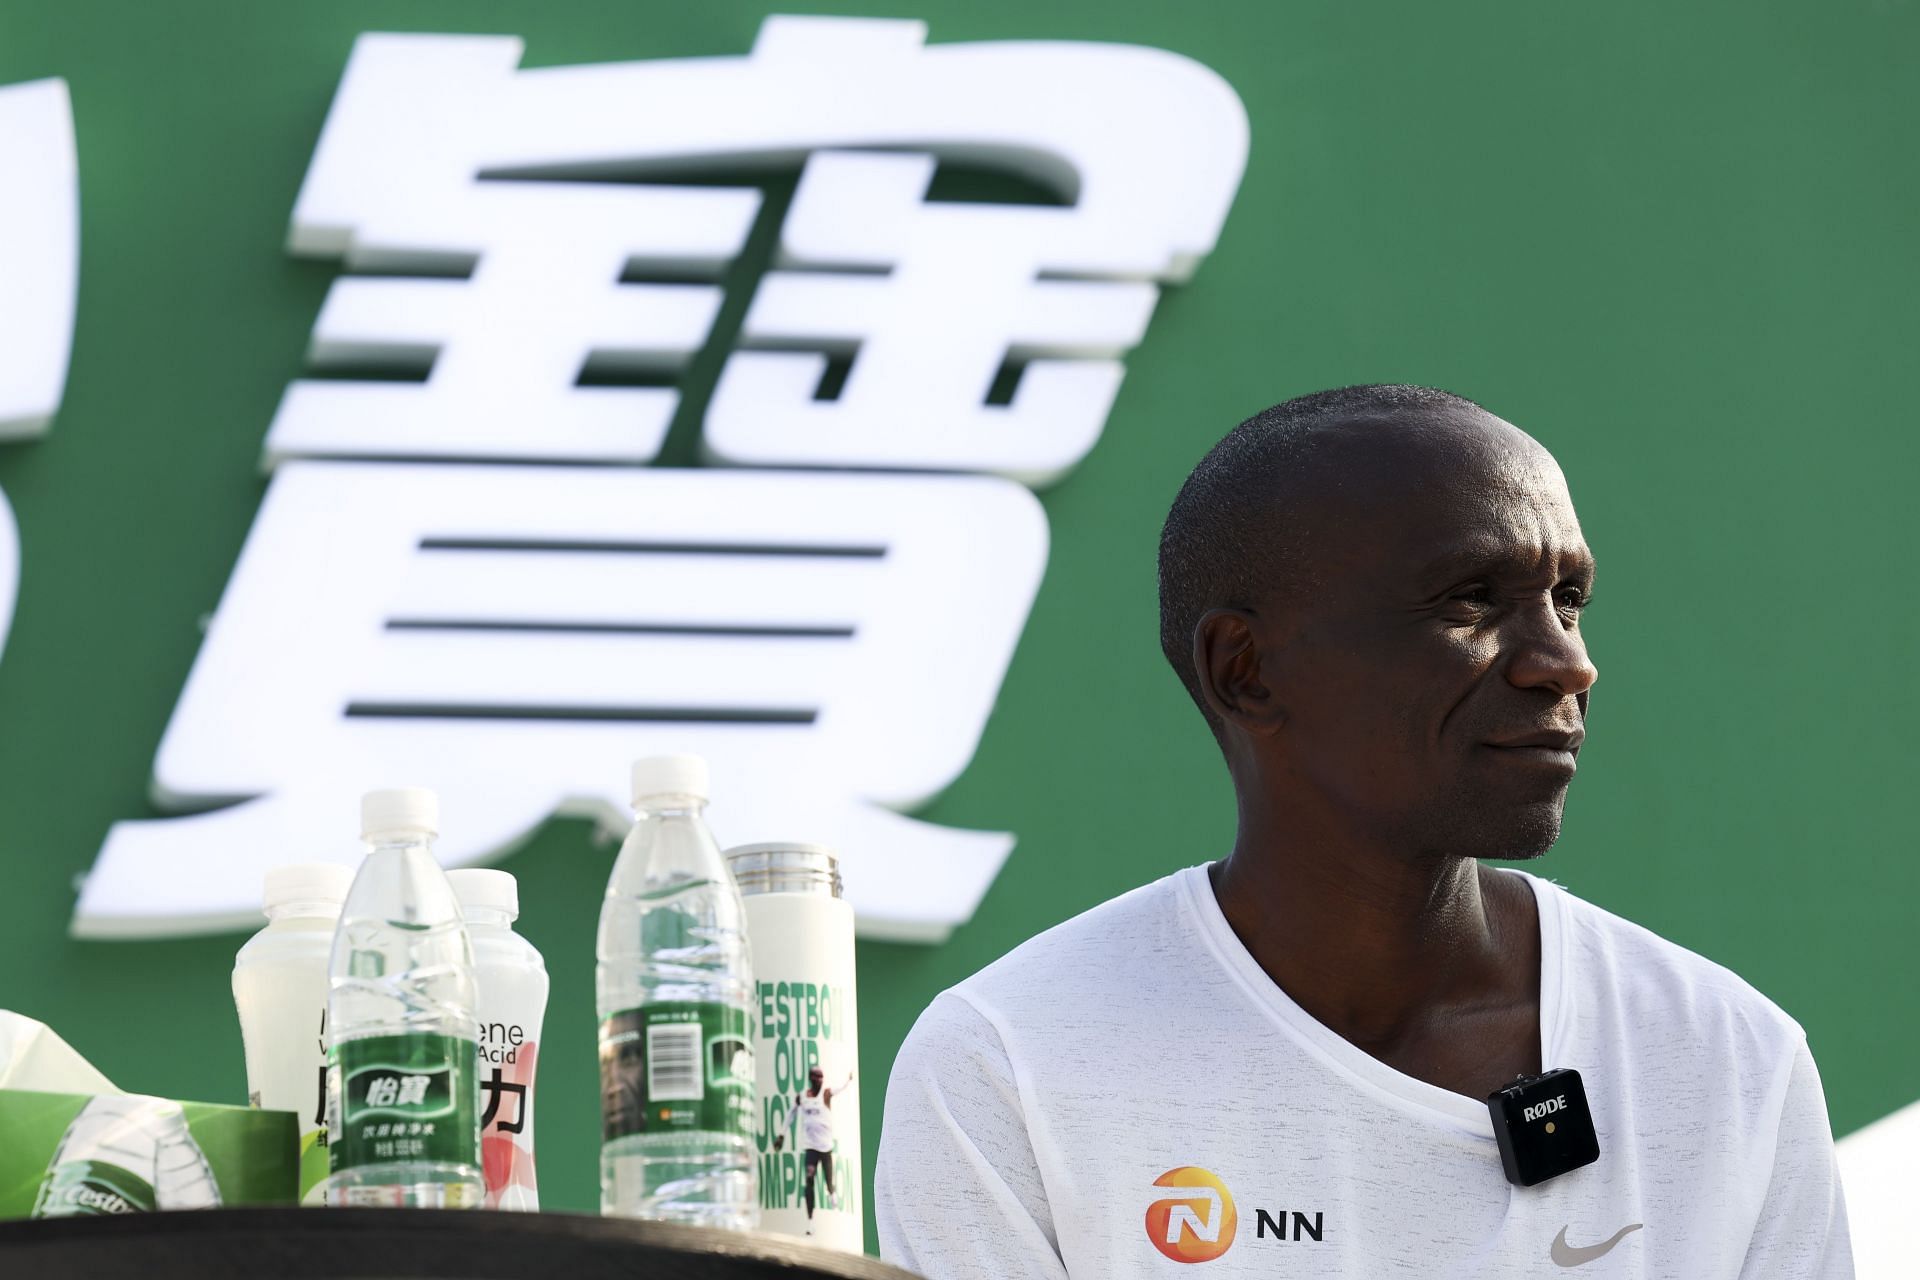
1543,1126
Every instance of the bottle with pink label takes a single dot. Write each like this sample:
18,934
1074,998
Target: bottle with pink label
512,981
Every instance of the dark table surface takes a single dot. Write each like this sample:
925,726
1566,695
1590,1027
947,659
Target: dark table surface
307,1244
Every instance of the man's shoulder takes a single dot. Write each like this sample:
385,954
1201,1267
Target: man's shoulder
1654,976
1095,948
1069,969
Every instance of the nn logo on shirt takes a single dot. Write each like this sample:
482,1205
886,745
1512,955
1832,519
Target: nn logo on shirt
1194,1219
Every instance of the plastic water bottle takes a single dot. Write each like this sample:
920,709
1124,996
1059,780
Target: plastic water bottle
676,999
403,1118
513,1002
126,1154
280,990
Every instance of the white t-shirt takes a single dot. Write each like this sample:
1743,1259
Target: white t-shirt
1133,1076
815,1121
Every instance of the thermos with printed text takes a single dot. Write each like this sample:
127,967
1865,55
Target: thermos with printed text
807,1123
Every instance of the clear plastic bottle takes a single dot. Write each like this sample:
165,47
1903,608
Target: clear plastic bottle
403,1117
513,1003
280,990
676,999
126,1154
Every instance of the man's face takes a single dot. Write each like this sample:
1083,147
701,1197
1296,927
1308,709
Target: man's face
1433,678
815,1078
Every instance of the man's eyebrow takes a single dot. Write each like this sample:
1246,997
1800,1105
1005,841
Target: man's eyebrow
1465,558
1488,555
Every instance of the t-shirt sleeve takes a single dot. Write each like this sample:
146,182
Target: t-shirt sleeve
1803,1226
957,1192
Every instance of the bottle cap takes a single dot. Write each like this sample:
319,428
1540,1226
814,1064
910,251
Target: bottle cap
784,866
306,882
487,889
682,775
401,811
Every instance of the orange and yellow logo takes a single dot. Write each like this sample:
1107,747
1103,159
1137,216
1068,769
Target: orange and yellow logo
1195,1221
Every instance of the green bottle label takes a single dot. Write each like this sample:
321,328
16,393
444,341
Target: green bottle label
92,1188
677,1065
403,1098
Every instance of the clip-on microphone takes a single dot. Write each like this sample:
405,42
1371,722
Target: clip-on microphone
1543,1126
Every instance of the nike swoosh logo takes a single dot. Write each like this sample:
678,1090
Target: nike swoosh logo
1567,1256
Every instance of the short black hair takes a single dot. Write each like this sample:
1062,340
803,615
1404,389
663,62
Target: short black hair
1222,546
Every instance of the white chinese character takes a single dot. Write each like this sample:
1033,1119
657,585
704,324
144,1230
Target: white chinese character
413,1090
381,1091
39,253
512,636
39,278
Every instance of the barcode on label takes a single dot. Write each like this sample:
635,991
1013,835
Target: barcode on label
673,1063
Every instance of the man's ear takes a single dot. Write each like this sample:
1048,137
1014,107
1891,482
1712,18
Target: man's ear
1226,656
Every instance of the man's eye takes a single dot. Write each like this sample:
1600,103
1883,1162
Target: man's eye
1474,595
1573,599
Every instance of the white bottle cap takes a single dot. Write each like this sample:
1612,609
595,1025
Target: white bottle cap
683,775
487,889
306,882
401,811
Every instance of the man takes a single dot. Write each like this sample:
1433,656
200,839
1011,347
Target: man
1277,1064
812,1115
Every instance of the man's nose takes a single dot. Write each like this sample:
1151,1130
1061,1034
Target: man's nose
1551,655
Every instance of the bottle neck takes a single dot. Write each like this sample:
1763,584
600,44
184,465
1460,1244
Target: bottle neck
681,806
298,910
488,917
400,842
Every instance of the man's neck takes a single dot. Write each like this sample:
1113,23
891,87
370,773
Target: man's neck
1431,966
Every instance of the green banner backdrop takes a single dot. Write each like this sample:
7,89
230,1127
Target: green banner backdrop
1673,241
